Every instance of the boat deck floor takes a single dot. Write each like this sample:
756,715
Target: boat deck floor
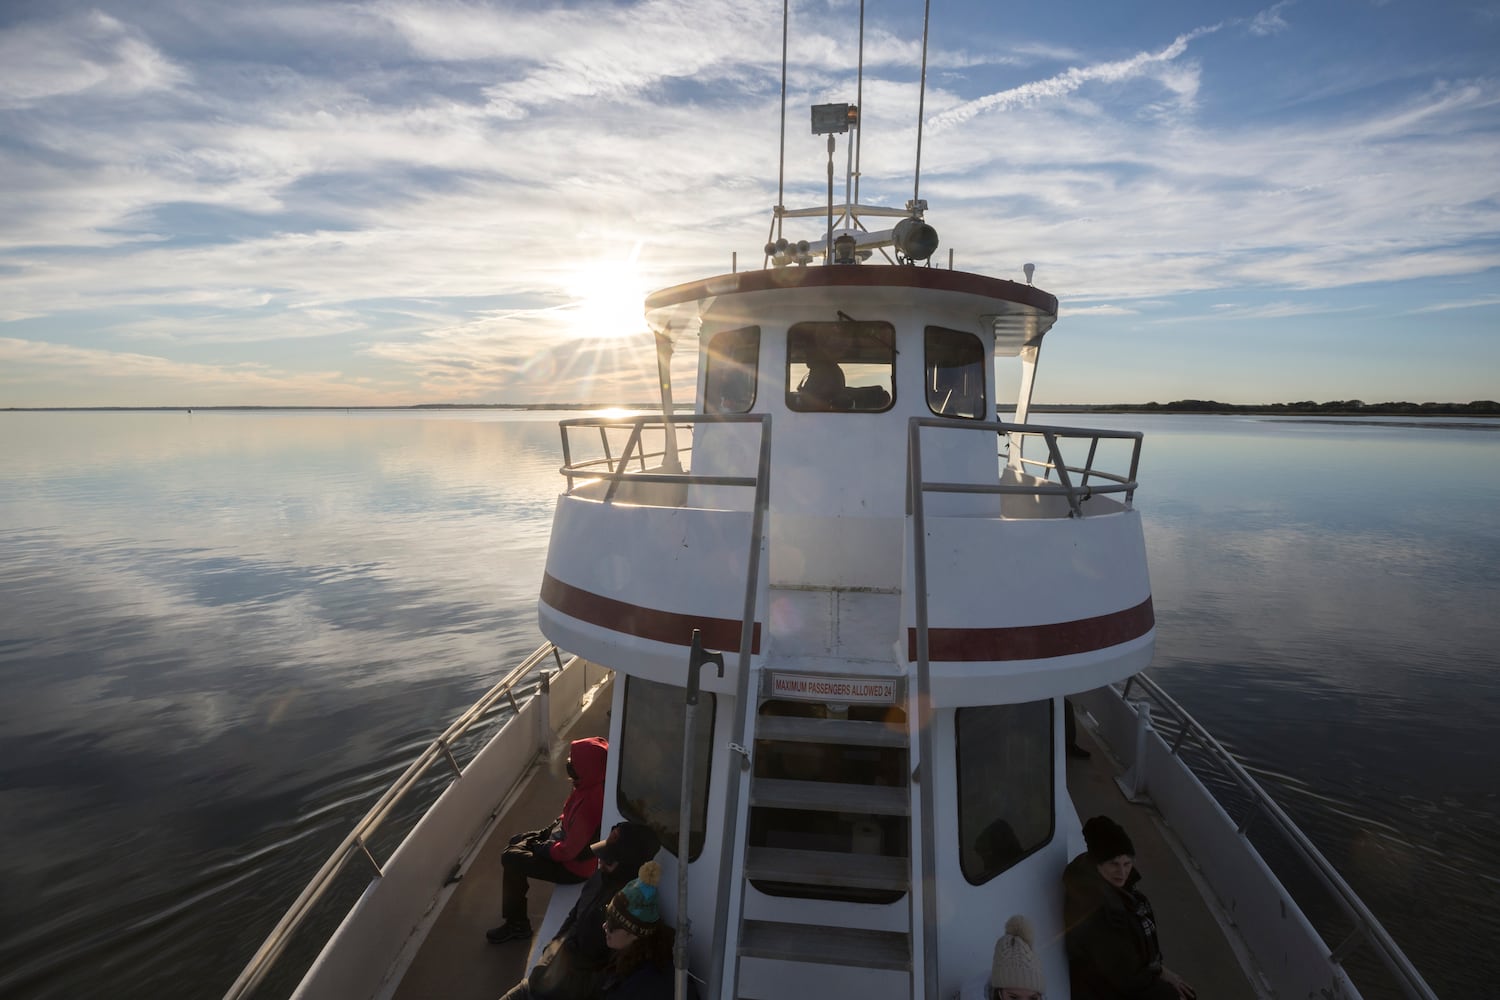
1192,942
457,963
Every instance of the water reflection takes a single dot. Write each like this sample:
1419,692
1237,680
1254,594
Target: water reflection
221,635
226,629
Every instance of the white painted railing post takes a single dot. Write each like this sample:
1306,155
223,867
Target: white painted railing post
1133,782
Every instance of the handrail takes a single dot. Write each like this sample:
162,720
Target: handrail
1367,926
919,716
355,843
1076,494
613,469
916,487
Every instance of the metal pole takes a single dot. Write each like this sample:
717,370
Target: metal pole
916,187
859,98
921,713
781,157
669,459
728,966
828,247
696,659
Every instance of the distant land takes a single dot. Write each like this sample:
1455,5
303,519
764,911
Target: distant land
1338,408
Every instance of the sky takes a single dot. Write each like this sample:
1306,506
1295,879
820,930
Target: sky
388,203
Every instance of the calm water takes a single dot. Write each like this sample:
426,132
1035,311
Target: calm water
222,634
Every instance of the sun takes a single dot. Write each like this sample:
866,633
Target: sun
608,299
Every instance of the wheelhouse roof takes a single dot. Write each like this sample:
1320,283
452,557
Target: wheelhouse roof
1020,313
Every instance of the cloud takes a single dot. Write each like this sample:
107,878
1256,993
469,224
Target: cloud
1155,65
1269,21
413,192
153,380
92,54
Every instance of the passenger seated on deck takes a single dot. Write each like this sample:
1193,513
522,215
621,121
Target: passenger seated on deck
1113,952
573,964
560,853
1015,969
823,385
641,965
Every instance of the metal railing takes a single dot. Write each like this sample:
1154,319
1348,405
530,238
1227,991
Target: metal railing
917,487
616,468
1367,928
1103,480
356,843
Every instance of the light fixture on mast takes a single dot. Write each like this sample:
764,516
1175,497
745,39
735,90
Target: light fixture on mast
831,120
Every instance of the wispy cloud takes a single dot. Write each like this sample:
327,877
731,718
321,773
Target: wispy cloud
416,193
1181,81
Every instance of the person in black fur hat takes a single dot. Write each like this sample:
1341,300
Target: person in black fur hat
1113,951
574,963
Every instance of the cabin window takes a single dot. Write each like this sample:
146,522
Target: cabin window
729,374
955,374
1005,785
878,834
841,366
650,787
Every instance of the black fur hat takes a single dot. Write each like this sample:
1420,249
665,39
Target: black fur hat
1106,839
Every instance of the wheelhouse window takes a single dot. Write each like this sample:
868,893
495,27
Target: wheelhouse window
650,786
1005,785
955,374
841,366
729,374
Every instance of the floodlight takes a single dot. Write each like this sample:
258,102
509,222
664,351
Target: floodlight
915,239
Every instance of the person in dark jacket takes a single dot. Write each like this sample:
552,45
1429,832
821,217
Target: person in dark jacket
573,964
1113,951
560,853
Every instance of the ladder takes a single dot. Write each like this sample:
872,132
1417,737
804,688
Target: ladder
834,923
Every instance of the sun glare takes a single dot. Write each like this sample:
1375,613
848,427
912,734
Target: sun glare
609,299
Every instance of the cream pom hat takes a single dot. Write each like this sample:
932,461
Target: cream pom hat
1016,966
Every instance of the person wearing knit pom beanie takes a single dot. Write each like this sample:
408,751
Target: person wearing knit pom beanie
1110,928
1015,968
573,964
641,968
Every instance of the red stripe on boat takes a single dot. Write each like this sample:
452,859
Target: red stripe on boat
645,623
1034,642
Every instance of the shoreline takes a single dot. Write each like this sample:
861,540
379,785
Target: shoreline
1328,413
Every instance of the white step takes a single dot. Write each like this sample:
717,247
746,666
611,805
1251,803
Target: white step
827,868
766,979
850,732
829,796
817,944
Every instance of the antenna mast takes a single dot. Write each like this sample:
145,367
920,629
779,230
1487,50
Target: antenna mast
859,102
916,190
781,157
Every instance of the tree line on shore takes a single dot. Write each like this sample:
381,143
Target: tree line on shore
1337,407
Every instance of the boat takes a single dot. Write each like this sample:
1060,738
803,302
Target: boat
836,623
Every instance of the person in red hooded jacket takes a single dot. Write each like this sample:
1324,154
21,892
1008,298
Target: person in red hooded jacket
560,853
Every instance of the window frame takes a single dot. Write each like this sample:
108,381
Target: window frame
856,336
986,411
702,767
992,726
716,360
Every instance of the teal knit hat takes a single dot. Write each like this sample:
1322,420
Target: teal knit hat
634,907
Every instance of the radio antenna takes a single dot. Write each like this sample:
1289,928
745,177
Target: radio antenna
781,158
916,191
859,102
